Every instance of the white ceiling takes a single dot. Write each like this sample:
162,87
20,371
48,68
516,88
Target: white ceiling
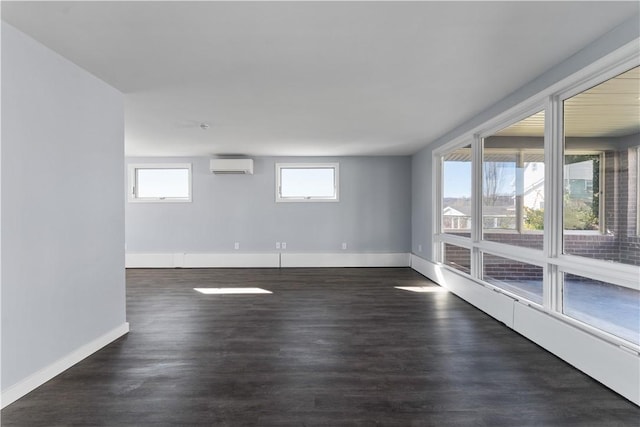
309,78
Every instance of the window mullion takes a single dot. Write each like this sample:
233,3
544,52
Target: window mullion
602,226
519,191
637,191
476,205
437,218
553,210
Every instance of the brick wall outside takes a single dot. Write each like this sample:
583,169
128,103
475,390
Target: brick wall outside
531,240
629,241
596,246
508,270
457,257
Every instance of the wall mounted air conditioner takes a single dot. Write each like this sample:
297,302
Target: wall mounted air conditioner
232,166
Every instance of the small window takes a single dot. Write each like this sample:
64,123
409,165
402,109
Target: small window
307,182
160,183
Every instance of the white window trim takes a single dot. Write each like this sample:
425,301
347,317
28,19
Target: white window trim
555,263
336,182
132,176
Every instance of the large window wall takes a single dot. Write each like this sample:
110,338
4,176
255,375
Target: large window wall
542,204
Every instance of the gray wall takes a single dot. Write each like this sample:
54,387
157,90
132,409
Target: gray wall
62,210
421,205
373,214
422,196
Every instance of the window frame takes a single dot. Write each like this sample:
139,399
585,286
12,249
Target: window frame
310,199
638,190
519,228
132,184
519,223
439,171
551,257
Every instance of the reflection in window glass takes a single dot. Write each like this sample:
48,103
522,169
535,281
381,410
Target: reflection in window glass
516,277
513,184
457,257
614,309
456,192
602,129
499,190
582,192
533,192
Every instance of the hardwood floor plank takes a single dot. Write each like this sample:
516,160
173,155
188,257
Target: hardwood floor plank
330,347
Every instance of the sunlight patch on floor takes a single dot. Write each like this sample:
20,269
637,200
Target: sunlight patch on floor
231,291
429,289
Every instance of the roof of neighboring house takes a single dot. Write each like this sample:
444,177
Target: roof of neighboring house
487,210
449,211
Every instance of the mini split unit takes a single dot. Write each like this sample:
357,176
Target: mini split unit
232,166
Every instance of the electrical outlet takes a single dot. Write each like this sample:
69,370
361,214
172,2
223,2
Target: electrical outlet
344,245
284,245
419,248
236,245
277,245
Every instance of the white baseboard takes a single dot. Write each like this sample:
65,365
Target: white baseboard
195,260
604,361
150,260
496,305
16,391
345,260
611,365
426,268
202,260
265,260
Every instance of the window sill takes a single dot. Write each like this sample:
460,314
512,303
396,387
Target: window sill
159,200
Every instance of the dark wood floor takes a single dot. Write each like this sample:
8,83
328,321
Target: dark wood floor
330,347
